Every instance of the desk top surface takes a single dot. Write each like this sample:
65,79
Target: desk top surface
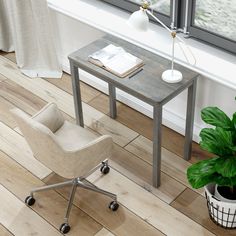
146,85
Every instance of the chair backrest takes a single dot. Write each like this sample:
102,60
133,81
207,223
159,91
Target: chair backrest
50,116
39,137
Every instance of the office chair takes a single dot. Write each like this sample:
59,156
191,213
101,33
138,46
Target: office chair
68,150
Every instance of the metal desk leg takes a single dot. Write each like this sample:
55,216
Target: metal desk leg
112,100
76,94
157,122
190,120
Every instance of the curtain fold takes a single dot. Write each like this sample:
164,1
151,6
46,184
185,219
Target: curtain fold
6,33
26,25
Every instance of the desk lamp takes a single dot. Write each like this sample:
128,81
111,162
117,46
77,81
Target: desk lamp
140,21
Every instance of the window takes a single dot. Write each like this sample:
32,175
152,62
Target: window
217,17
162,8
158,5
213,21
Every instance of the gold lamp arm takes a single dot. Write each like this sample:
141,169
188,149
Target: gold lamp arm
174,35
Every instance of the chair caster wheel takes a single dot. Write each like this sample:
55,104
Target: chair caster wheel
65,228
29,201
105,169
113,206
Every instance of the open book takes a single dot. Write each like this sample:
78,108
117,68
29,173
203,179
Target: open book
116,60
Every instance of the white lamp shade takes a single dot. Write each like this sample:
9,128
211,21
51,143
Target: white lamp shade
139,20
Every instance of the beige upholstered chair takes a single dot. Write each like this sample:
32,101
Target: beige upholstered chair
67,149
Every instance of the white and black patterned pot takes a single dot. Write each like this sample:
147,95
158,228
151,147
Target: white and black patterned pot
221,212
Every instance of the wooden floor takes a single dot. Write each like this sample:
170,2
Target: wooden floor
173,209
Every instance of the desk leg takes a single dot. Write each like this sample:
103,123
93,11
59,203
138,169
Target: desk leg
76,94
157,122
190,120
112,100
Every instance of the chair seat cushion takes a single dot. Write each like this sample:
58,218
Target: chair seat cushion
72,137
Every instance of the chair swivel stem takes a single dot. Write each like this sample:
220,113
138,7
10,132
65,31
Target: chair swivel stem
52,186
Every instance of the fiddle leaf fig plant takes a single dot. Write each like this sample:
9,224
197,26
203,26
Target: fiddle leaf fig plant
221,141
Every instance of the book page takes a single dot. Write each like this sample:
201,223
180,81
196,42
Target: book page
106,54
116,60
122,63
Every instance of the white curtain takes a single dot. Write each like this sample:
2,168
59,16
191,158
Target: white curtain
26,28
6,34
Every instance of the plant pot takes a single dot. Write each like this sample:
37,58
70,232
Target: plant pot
221,212
220,196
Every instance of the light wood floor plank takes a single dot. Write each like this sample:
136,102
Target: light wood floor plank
5,115
50,93
147,206
18,149
49,204
24,99
121,222
171,164
101,103
141,173
104,232
143,204
87,93
2,78
9,55
194,206
144,126
4,231
121,135
20,219
20,98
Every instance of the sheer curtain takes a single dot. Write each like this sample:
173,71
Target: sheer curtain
26,28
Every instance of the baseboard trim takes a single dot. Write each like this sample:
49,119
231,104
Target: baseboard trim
170,118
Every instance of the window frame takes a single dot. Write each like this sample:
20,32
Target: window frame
129,6
206,35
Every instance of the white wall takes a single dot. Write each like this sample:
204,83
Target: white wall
72,34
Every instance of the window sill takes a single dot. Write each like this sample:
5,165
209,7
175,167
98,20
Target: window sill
213,63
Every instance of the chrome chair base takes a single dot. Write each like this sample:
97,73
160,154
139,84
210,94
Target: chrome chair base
77,182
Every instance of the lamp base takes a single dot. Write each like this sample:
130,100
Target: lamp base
172,76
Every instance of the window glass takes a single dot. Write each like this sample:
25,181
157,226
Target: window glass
162,6
217,16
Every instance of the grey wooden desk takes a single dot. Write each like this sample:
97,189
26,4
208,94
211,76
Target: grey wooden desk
147,85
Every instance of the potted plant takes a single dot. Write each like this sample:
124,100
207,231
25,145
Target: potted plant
217,174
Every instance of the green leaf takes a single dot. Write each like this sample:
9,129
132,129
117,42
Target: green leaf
234,120
217,141
226,166
233,148
224,181
215,116
202,173
234,124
